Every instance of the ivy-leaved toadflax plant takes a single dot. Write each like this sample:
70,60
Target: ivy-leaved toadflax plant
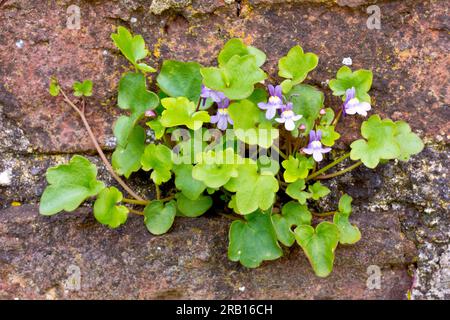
217,136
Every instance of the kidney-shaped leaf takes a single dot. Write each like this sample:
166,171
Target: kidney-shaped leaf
193,208
380,142
132,47
237,47
307,101
295,67
349,233
181,111
253,189
106,210
159,217
297,168
319,245
361,80
133,94
253,241
292,214
180,79
157,158
236,78
69,185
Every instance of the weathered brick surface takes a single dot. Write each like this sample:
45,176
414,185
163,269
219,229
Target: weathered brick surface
400,208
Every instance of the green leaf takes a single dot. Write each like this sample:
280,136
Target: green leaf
258,95
237,47
106,210
181,111
349,234
295,66
345,204
122,129
329,136
361,80
297,168
253,189
319,245
318,190
253,241
250,125
132,47
292,214
236,78
54,87
157,128
189,187
216,168
159,159
328,117
133,94
193,208
82,88
408,141
386,140
126,160
295,191
307,101
381,142
188,145
159,217
180,79
268,165
69,185
145,68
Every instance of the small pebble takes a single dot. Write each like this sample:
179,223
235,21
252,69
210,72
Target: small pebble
20,44
347,61
6,177
133,20
325,83
35,171
241,289
105,52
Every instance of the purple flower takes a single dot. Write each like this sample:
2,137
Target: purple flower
222,118
315,146
288,117
215,96
352,105
275,101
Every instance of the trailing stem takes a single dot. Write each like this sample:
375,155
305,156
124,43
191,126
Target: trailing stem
323,214
140,213
338,173
327,167
99,149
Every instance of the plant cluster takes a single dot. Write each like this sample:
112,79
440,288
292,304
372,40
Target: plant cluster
217,134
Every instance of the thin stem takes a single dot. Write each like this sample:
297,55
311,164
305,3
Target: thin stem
323,214
338,116
198,104
289,143
230,216
99,149
158,192
138,202
136,212
281,153
327,167
338,173
145,202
